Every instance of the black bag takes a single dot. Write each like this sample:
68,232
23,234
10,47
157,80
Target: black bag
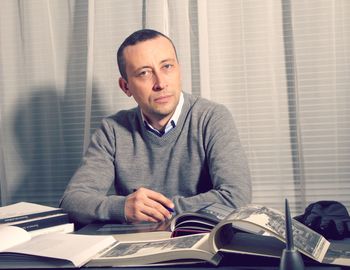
329,218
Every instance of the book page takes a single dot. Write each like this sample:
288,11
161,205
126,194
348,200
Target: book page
11,236
76,248
22,208
136,253
142,248
206,217
261,219
338,252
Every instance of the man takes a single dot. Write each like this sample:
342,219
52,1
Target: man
173,152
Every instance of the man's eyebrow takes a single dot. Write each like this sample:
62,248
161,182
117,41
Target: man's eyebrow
161,62
142,67
168,60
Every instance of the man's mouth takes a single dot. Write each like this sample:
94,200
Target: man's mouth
162,99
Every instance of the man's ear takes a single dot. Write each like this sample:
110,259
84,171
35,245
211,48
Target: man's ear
123,84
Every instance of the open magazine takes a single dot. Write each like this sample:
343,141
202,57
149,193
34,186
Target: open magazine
254,229
199,221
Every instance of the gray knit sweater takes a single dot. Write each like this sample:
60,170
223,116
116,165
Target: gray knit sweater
199,161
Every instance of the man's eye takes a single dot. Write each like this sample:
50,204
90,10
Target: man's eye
168,66
144,73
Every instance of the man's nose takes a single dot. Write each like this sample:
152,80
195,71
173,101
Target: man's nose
159,82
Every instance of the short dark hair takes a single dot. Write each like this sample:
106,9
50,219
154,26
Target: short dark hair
133,39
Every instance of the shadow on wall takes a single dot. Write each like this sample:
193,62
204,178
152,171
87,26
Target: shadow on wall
49,131
40,130
50,128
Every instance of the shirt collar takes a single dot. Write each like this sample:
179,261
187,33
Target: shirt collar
171,123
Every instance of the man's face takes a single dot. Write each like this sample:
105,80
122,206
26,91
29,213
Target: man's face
153,78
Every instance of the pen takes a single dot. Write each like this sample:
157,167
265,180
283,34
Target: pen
171,210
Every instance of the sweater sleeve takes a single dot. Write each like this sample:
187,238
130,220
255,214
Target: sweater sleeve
227,163
85,198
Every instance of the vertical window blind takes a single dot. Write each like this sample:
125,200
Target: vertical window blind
248,75
281,67
322,42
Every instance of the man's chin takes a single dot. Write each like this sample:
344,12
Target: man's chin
164,109
163,113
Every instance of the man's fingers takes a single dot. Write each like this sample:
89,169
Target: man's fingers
157,213
137,211
156,196
147,205
140,216
157,210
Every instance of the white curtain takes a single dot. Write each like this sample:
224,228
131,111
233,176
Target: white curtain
281,67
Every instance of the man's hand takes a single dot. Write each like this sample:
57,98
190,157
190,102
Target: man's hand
147,205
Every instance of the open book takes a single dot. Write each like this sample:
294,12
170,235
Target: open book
199,221
19,249
187,223
255,230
